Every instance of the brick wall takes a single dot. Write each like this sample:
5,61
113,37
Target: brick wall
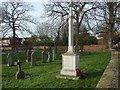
85,47
94,47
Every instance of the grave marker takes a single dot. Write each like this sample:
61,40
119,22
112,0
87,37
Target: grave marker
49,58
33,61
20,74
42,57
54,55
10,59
28,56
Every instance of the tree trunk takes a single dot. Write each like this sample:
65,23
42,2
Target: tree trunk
111,23
110,41
77,34
14,38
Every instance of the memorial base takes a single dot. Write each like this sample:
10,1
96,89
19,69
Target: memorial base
68,77
70,62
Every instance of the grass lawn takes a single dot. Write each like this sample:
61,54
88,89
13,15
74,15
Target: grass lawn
44,74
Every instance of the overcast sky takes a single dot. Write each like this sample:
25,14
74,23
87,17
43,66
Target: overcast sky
38,9
36,13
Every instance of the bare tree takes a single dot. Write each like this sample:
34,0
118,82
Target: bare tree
56,10
45,29
112,12
15,17
107,15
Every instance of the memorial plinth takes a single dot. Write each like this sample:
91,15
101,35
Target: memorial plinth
70,62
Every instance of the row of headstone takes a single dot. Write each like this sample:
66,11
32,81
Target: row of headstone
30,57
48,56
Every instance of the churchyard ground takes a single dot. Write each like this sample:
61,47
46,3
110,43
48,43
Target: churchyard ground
44,74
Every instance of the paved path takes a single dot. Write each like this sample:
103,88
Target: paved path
111,76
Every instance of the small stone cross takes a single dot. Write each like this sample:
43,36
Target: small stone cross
20,74
19,65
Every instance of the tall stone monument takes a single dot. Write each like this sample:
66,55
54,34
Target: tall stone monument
70,59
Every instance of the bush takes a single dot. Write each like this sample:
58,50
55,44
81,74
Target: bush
45,43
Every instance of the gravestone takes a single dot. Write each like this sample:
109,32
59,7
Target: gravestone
49,58
10,59
33,61
28,56
20,74
44,56
54,55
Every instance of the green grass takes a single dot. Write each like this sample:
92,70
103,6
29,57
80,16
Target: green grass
44,74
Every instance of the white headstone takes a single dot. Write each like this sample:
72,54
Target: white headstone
33,61
54,55
43,56
48,60
28,56
10,59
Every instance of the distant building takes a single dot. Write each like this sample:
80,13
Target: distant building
5,42
100,41
103,41
8,41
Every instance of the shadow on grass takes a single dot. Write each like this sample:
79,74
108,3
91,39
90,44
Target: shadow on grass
28,75
94,74
48,63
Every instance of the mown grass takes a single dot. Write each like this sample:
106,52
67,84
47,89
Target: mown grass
44,74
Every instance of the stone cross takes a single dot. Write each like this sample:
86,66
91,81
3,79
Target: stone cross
19,65
20,74
33,59
10,59
70,60
70,35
